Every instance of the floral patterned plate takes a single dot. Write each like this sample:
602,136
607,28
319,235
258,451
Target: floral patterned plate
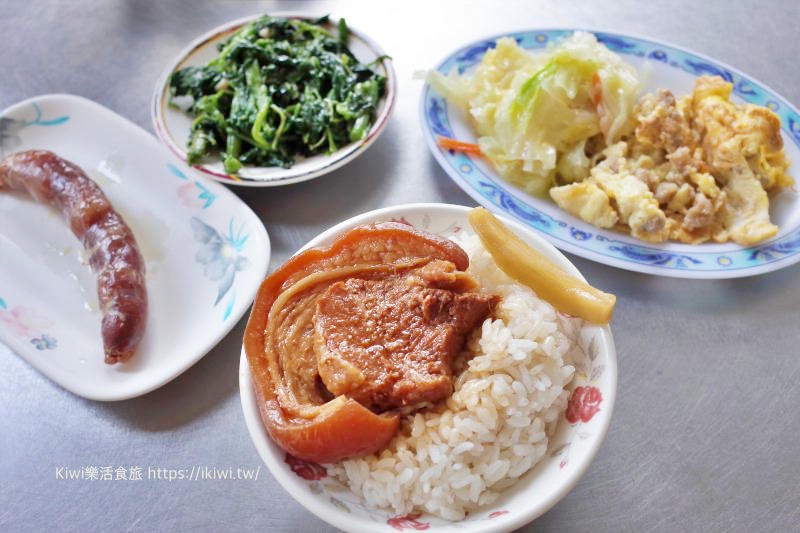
574,444
173,125
206,253
667,66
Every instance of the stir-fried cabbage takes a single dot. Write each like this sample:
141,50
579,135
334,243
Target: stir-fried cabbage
534,113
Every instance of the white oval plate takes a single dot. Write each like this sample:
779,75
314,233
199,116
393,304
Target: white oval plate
174,126
205,252
572,447
669,67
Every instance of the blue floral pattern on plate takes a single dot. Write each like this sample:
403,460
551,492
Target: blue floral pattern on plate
573,235
27,323
220,257
45,342
10,128
193,191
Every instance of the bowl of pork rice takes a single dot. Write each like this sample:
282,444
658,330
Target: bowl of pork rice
532,403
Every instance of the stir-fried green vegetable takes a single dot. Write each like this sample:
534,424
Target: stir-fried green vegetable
279,89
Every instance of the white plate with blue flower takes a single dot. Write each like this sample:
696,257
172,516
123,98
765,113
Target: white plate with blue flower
669,67
205,252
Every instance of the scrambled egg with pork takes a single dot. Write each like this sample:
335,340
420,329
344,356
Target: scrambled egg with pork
699,168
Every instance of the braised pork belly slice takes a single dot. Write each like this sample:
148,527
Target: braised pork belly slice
390,343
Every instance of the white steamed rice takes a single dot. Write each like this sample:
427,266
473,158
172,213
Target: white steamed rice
494,427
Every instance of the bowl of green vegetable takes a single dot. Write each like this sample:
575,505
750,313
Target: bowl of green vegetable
270,100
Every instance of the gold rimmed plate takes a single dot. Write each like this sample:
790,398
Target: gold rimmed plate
173,126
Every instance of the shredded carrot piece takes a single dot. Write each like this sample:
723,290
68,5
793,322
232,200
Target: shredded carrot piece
459,146
597,89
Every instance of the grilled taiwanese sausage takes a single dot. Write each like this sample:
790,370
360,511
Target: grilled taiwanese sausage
113,253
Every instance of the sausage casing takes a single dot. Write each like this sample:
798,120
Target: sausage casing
113,253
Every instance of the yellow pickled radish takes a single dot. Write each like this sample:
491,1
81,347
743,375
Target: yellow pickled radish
524,264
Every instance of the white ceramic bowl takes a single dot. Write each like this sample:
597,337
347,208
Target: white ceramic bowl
571,450
173,126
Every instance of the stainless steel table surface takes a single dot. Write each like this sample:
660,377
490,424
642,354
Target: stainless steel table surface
706,431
